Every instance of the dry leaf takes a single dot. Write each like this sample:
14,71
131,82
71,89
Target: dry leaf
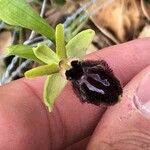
120,20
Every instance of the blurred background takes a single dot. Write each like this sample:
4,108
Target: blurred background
115,21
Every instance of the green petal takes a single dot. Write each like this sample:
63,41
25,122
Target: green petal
20,13
24,51
45,54
53,87
42,70
60,41
77,46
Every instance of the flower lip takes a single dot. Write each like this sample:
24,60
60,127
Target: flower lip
94,82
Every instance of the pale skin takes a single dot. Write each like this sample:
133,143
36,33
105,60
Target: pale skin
26,124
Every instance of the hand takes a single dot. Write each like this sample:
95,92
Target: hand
25,123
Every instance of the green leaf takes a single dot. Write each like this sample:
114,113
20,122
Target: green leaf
60,41
78,45
24,51
45,54
42,70
53,87
20,13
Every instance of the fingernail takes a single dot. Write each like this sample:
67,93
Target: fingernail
142,96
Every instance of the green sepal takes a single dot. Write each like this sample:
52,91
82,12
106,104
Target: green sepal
53,87
78,45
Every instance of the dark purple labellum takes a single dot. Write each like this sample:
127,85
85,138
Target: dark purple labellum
94,82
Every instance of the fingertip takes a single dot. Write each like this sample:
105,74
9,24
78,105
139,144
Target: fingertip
125,120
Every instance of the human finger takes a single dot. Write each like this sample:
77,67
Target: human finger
125,126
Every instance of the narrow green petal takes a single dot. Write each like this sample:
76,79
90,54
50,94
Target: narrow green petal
60,41
42,70
53,87
24,51
20,13
78,45
45,54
